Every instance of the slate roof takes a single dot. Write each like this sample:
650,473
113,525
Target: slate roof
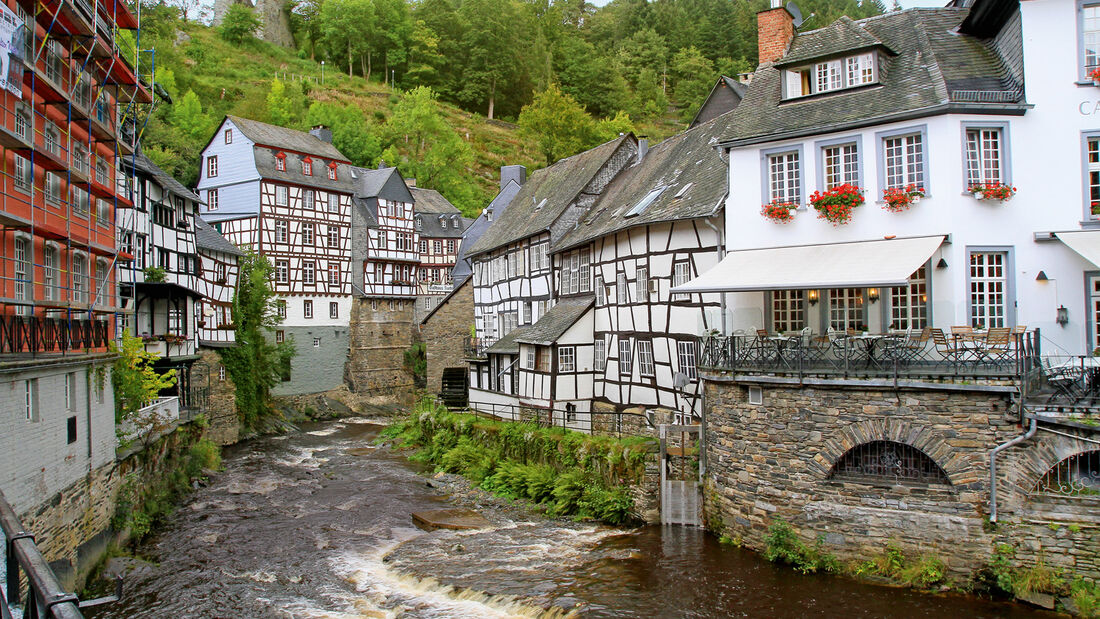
206,237
265,165
842,36
556,321
934,70
289,139
370,181
507,345
431,201
545,196
473,232
689,157
429,206
164,179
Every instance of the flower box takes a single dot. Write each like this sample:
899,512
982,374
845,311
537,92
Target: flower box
779,212
1095,76
835,205
992,191
898,199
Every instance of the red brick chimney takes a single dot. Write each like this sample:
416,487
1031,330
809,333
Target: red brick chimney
774,30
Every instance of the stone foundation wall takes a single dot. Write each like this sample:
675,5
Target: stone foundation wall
444,335
379,337
221,399
773,460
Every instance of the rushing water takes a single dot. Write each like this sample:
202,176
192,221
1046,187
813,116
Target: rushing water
317,525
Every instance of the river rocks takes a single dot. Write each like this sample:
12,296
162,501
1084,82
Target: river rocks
455,518
126,568
1042,600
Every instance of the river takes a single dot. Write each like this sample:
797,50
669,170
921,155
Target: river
316,525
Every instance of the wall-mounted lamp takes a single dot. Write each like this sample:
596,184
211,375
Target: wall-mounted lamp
812,297
1063,316
942,264
1042,277
872,295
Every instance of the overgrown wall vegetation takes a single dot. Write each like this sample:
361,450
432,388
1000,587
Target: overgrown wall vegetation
565,472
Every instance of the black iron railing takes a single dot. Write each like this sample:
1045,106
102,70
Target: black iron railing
475,347
888,356
45,597
34,334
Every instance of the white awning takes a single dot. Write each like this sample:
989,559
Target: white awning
1085,242
861,264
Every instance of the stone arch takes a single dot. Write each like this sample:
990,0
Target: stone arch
1046,453
953,462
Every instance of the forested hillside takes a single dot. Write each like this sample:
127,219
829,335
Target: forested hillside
417,84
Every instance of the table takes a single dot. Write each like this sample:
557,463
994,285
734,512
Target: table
869,343
1090,371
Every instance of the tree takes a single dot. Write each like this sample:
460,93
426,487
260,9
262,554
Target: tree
239,23
255,365
693,77
352,134
557,123
348,27
133,379
280,109
589,76
491,50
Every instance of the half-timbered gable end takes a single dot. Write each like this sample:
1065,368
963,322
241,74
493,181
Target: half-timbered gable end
217,281
556,360
386,256
439,227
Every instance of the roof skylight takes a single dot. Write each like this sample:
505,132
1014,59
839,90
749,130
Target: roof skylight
644,203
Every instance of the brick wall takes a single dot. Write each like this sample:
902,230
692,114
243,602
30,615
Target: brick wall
774,30
774,459
379,337
445,333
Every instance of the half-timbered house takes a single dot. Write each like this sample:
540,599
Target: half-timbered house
513,280
217,280
164,292
440,227
512,178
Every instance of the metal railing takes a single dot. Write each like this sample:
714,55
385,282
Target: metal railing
1070,383
33,334
601,422
45,597
475,347
889,356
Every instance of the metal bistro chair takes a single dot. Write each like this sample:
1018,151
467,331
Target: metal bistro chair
1065,380
997,347
950,351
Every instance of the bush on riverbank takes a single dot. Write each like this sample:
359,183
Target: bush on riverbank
568,473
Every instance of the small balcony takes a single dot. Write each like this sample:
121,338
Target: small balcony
476,347
151,419
995,356
169,345
34,334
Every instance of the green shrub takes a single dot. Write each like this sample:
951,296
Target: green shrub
782,545
1086,596
611,506
926,573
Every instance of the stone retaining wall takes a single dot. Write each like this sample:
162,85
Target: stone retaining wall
773,460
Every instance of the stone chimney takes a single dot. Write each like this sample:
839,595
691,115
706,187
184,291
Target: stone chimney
410,182
516,173
774,30
381,164
643,148
322,133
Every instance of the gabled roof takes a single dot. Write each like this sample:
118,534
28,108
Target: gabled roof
431,201
688,160
430,205
206,237
288,139
725,95
474,231
546,195
935,70
144,164
840,37
386,183
507,345
556,321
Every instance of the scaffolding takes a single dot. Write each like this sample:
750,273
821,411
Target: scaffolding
83,101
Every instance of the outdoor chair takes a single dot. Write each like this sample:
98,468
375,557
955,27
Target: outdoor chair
998,345
1064,380
949,350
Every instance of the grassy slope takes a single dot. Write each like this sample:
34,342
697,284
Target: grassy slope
236,80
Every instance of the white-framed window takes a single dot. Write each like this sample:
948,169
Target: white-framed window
1090,37
784,182
221,373
827,75
307,199
423,246
280,195
103,212
80,279
859,70
334,274
641,284
282,271
601,291
280,308
23,123
211,199
1092,176
622,295
451,249
30,399
788,310
316,342
528,312
102,271
681,274
846,308
81,201
212,166
599,354
52,138
280,162
228,136
307,233
909,303
625,359
567,359
904,160
307,308
175,322
332,236
840,164
989,289
307,167
50,272
437,247
23,270
333,309
24,174
645,358
282,230
985,154
141,251
309,272
53,188
530,357
686,353
333,202
332,172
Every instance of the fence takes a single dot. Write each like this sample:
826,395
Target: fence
32,334
45,597
593,422
160,414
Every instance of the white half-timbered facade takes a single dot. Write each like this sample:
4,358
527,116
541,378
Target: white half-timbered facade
217,282
387,256
440,227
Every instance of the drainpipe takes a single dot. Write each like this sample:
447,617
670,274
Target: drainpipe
993,465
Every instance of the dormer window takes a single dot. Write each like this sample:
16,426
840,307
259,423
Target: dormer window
830,75
307,166
280,162
443,223
332,171
419,223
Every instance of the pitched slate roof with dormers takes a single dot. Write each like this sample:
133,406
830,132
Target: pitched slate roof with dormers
933,69
265,165
546,195
556,321
143,164
690,157
480,225
206,237
430,207
282,138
